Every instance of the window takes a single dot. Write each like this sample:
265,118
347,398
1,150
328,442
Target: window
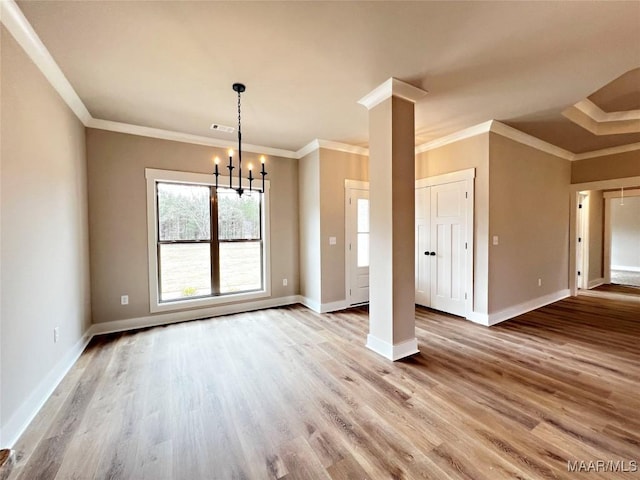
363,232
206,245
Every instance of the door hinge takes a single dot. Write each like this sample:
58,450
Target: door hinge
579,205
465,245
349,200
465,296
349,292
579,273
349,247
579,239
466,194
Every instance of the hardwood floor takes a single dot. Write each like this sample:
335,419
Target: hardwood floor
287,393
621,289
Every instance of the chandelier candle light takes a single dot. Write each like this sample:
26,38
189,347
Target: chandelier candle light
239,88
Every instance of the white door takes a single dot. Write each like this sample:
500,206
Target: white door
423,246
448,241
581,280
358,245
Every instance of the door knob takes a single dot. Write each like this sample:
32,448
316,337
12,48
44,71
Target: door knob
432,254
426,253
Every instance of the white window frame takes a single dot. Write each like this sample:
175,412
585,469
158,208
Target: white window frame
154,176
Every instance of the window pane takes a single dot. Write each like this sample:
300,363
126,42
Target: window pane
240,266
238,217
363,215
183,212
363,249
186,270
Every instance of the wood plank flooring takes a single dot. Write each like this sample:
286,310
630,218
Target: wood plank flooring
290,394
622,289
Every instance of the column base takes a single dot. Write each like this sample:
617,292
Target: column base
391,351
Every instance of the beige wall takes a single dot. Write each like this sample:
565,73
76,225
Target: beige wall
118,223
596,235
44,259
468,153
529,212
309,233
606,168
335,168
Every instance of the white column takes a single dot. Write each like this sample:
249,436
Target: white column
392,218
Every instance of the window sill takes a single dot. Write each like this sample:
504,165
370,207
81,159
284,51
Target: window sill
188,304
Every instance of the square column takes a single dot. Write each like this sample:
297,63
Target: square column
392,219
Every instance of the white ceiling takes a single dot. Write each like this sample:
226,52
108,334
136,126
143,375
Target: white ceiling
170,65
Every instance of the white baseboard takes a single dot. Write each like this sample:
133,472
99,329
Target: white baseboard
392,351
596,282
479,318
625,268
175,317
24,415
322,307
527,306
333,306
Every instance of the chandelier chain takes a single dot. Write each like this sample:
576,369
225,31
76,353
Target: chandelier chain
239,113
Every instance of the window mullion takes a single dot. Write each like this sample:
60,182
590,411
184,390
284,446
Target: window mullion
215,246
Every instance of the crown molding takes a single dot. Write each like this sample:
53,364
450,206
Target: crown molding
479,129
594,120
592,110
529,140
501,129
184,137
343,147
16,23
14,20
319,143
392,88
312,146
607,151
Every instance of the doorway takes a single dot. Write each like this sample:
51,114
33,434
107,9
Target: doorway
582,247
357,241
622,237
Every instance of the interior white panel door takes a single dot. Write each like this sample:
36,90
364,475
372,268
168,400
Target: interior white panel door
358,246
581,279
423,246
448,237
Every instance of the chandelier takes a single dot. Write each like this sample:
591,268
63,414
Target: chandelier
239,88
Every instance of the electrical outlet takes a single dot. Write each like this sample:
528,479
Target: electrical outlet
496,240
285,282
56,332
539,282
124,300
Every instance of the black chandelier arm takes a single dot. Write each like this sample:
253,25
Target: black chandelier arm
264,174
230,167
250,179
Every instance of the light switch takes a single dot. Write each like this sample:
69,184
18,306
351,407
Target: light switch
332,240
495,239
